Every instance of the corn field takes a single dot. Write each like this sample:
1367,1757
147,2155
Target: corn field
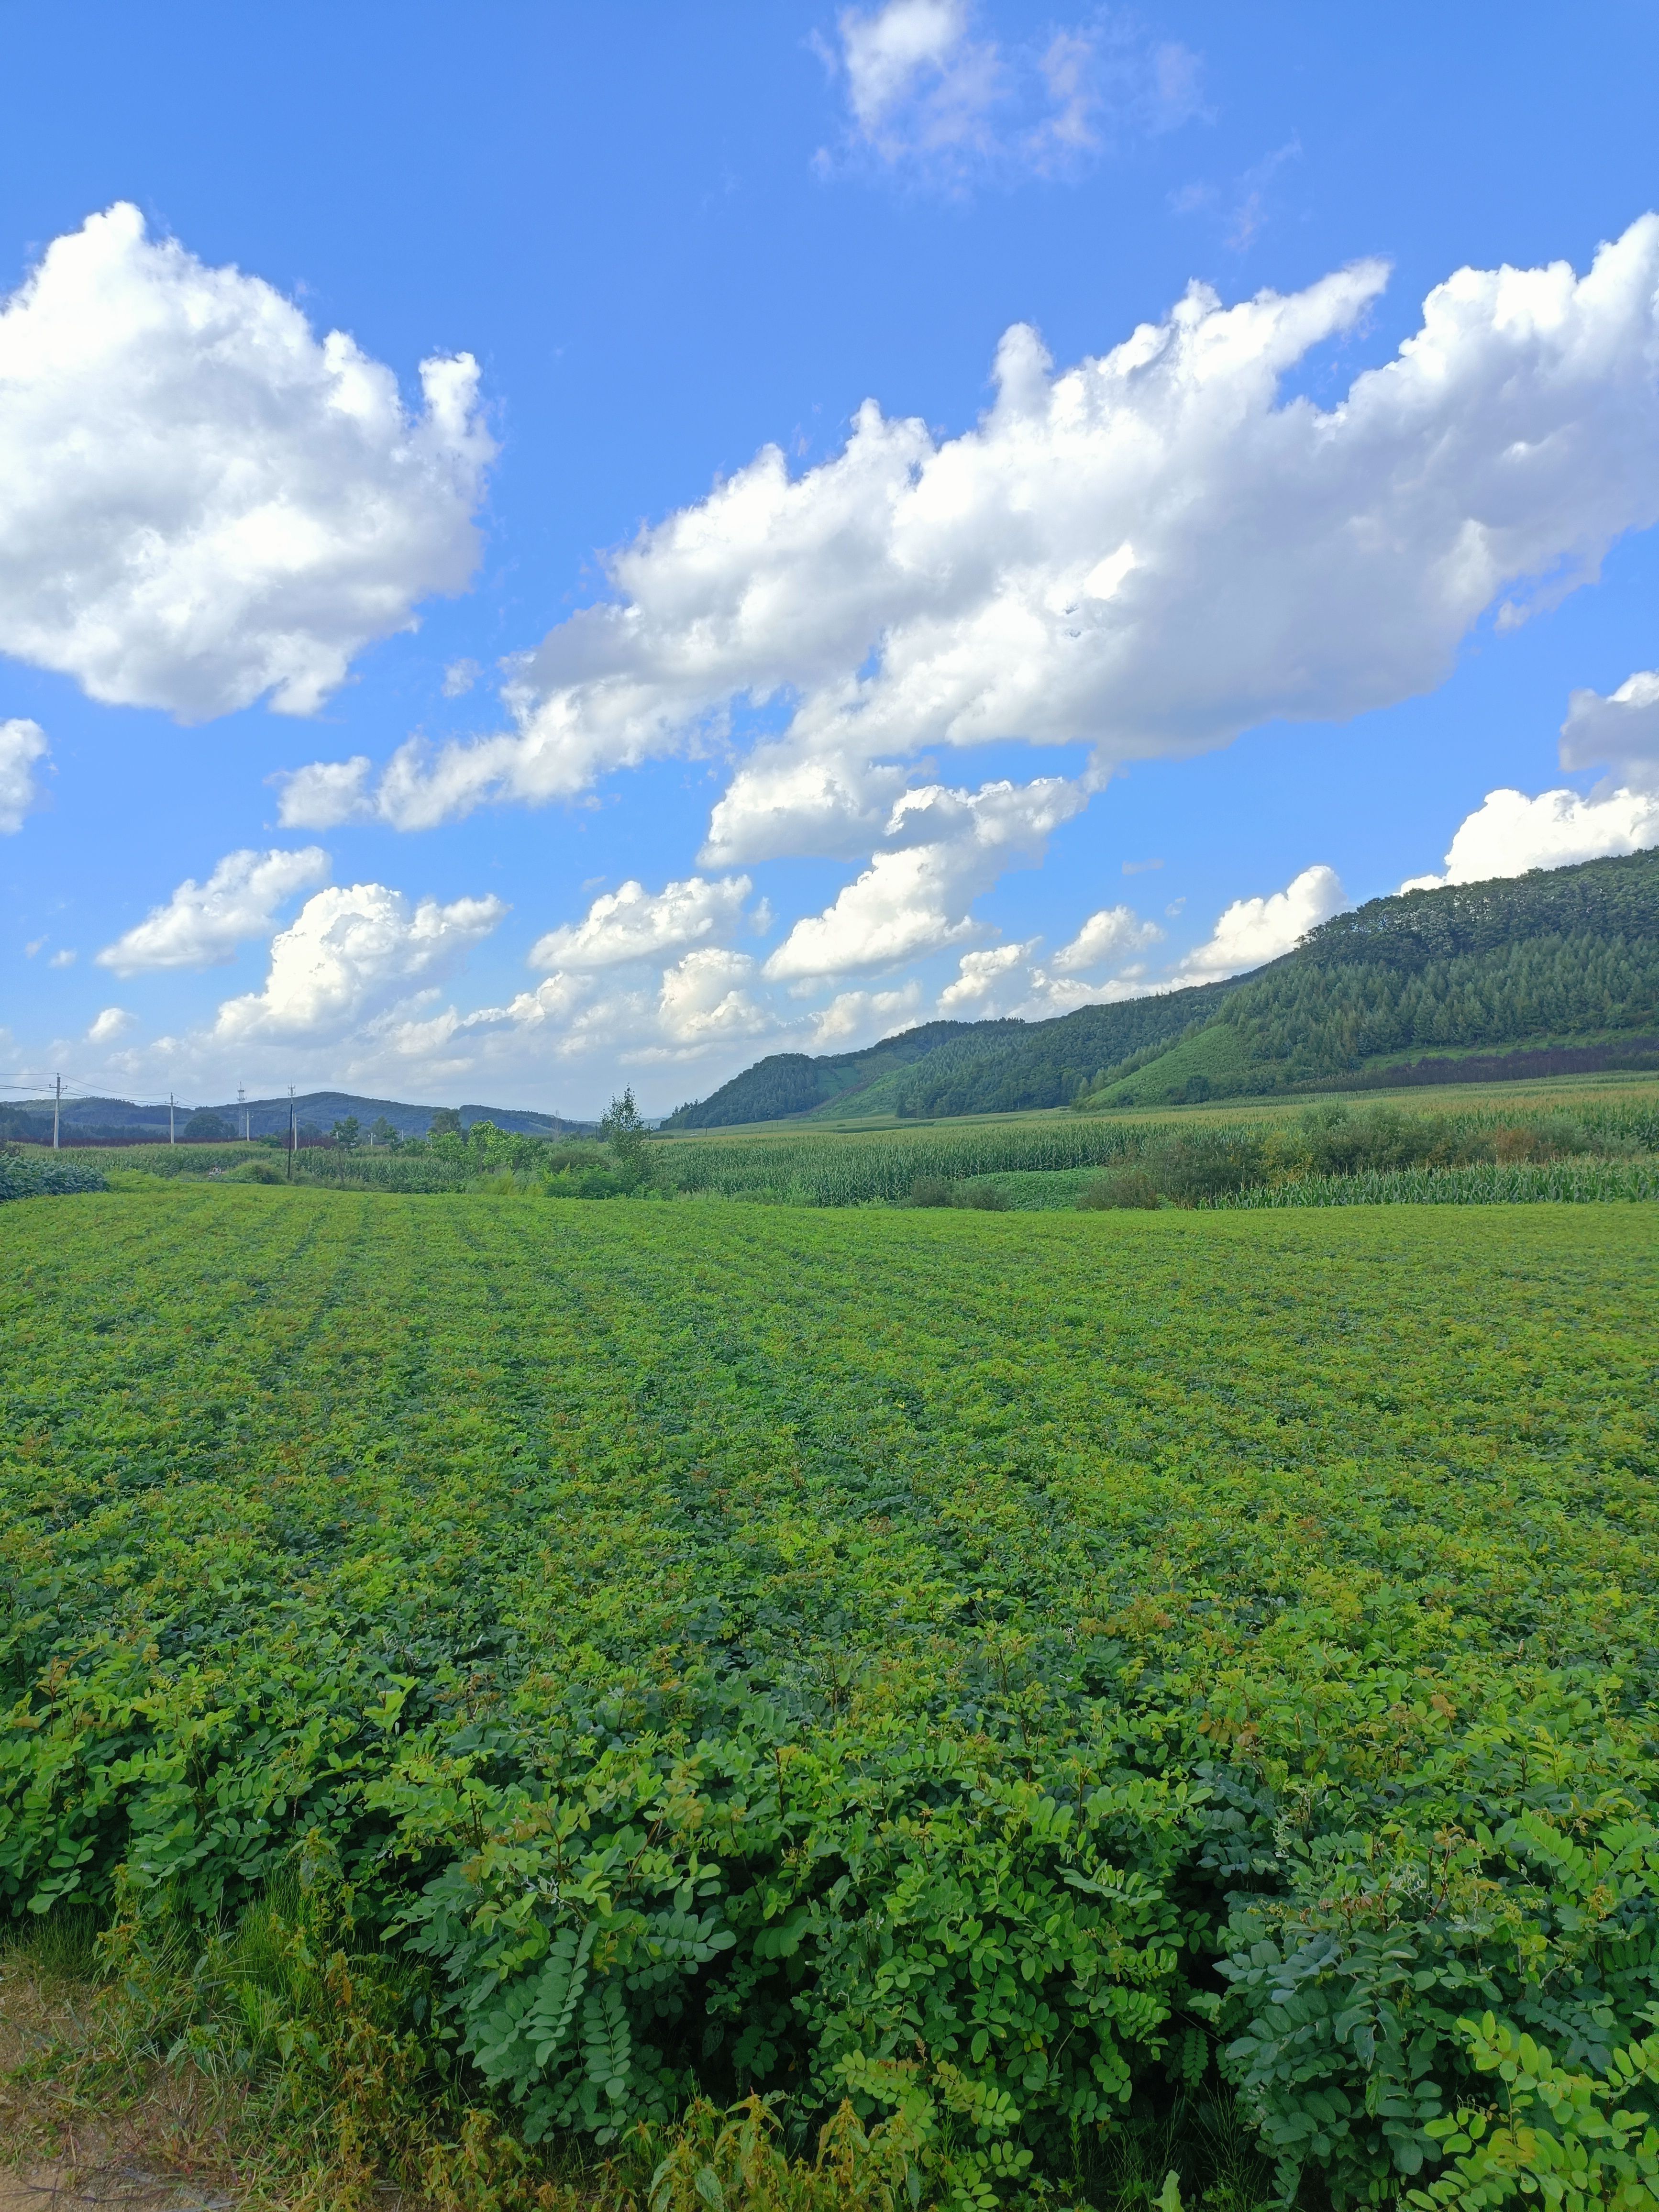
1559,1182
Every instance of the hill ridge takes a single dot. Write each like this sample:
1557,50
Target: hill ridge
1558,960
111,1119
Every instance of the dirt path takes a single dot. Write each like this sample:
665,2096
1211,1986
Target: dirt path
90,2186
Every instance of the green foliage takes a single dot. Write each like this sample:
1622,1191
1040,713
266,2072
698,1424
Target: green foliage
1579,2140
1029,1684
206,1128
948,1068
1130,1186
630,1140
719,2161
1204,1163
1600,1148
45,1175
256,1171
1556,953
348,1133
983,1196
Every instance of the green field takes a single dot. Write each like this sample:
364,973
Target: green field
1571,1140
1066,1676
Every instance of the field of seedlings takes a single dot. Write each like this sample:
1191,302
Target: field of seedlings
1110,1693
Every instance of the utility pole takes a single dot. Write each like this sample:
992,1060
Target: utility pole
57,1108
293,1138
241,1101
171,1138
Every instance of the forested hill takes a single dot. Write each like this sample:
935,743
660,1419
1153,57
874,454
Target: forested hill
1522,975
1558,966
957,1067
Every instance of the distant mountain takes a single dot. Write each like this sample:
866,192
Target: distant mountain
117,1121
1552,972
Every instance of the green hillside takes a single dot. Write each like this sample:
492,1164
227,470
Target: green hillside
957,1067
1556,972
1560,964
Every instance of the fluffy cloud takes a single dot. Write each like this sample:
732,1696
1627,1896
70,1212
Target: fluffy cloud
704,999
114,1022
349,953
1150,552
927,97
204,503
1620,732
1254,930
701,1002
982,982
325,794
1509,833
854,1018
22,745
1011,979
1109,935
944,848
201,924
635,924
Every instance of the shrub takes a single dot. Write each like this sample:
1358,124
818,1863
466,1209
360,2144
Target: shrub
983,1197
21,1178
931,1190
258,1171
1129,1186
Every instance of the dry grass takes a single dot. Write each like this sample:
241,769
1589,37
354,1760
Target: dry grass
89,2114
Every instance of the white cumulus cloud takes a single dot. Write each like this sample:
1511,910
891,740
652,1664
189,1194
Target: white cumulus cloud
201,924
705,999
1149,552
702,1003
1015,979
112,1022
1509,833
945,847
348,954
635,924
1110,935
981,985
22,742
1254,930
855,1017
205,502
1619,731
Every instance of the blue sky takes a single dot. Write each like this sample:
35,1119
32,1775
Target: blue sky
715,755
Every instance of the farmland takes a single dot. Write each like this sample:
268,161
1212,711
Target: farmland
1059,1678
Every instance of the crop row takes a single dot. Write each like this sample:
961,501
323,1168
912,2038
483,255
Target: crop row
1573,1182
1039,1672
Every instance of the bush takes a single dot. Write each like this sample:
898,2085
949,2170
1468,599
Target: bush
983,1197
1202,1165
21,1178
1129,1186
931,1190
